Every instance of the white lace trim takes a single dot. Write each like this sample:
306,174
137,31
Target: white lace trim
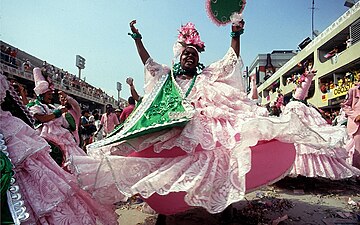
16,205
212,179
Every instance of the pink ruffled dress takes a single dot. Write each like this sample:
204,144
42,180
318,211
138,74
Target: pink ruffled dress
51,195
224,151
321,161
54,131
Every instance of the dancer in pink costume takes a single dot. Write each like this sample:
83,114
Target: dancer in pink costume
49,122
50,194
188,143
321,161
351,107
254,95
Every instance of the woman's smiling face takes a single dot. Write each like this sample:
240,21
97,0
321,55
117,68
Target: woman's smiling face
48,97
189,59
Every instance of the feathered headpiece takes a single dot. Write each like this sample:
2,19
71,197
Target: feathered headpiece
188,36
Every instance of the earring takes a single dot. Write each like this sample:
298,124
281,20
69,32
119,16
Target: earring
40,97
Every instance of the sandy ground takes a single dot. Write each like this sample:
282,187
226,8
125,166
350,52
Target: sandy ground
293,201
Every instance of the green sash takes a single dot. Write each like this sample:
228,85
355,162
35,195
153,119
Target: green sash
165,107
70,119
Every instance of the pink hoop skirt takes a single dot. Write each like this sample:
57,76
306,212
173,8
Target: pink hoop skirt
174,180
264,171
227,149
324,162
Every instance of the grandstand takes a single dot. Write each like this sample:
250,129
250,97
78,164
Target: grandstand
19,65
335,54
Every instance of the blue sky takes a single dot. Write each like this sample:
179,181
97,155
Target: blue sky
56,31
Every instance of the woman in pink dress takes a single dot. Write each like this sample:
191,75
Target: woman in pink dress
196,139
322,161
50,122
50,195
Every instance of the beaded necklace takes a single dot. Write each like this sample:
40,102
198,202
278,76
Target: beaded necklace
178,71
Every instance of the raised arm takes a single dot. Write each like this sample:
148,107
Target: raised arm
144,55
48,117
74,104
22,93
133,91
237,30
254,91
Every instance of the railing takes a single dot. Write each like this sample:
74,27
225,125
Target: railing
333,26
314,42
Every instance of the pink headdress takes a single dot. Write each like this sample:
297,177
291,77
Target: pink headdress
188,36
42,85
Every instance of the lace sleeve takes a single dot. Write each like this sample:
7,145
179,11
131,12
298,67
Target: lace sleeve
36,109
153,71
227,70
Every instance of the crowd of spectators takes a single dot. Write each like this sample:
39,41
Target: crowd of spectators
349,79
69,81
327,85
65,79
8,55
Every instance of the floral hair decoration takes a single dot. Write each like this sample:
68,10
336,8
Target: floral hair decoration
299,78
188,36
